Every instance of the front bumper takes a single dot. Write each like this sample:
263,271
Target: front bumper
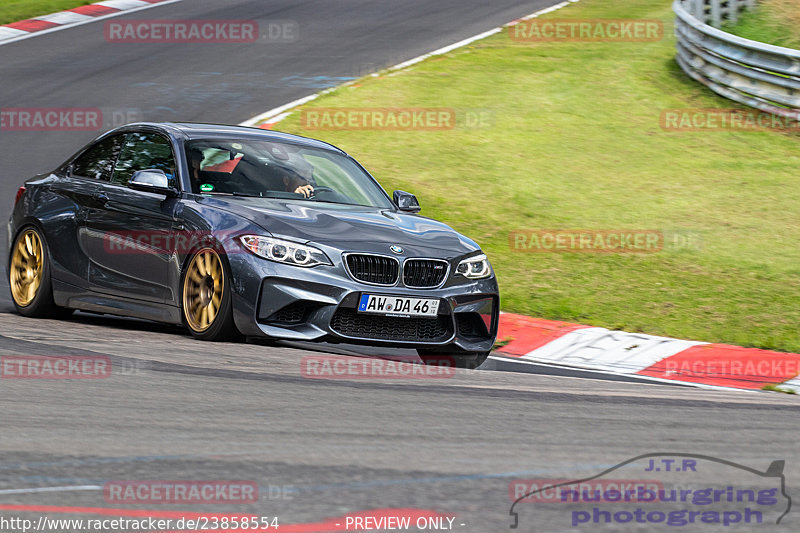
320,304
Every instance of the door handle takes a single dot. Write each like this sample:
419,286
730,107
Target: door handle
100,197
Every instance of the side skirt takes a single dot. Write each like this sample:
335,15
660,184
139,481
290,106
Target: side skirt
67,295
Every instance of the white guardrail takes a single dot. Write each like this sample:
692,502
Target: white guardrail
756,74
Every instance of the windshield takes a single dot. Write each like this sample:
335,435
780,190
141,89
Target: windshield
272,169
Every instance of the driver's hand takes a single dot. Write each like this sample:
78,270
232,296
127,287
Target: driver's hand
305,190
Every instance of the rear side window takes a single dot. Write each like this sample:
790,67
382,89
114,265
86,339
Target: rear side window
98,161
144,151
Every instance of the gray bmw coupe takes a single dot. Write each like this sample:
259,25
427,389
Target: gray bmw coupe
238,231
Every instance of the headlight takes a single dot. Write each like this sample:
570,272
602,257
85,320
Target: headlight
282,251
476,267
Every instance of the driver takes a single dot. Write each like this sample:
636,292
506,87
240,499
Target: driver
294,182
195,157
298,176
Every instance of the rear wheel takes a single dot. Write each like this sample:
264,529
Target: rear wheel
206,300
460,359
29,276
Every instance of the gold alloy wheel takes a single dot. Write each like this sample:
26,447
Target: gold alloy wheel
27,266
202,289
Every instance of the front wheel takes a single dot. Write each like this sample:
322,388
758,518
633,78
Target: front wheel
206,300
29,276
471,360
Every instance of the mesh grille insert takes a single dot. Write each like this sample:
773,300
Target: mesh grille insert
365,326
424,273
375,269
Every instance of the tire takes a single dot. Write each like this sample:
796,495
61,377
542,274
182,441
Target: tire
29,276
206,297
471,360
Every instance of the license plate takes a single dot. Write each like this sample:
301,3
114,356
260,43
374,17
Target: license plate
399,306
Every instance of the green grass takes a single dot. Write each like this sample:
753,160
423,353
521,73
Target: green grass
14,10
575,142
772,22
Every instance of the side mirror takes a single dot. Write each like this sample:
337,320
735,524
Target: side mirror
405,201
152,180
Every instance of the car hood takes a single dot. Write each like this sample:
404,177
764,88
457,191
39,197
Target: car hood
348,227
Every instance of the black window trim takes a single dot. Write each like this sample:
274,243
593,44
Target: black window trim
69,167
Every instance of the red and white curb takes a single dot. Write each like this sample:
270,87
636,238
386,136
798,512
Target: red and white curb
636,354
24,29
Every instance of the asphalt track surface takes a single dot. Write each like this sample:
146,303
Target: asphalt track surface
178,409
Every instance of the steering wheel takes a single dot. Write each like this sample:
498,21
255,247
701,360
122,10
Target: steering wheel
321,188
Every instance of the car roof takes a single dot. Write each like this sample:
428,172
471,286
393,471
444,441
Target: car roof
192,131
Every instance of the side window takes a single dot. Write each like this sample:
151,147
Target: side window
97,162
144,151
